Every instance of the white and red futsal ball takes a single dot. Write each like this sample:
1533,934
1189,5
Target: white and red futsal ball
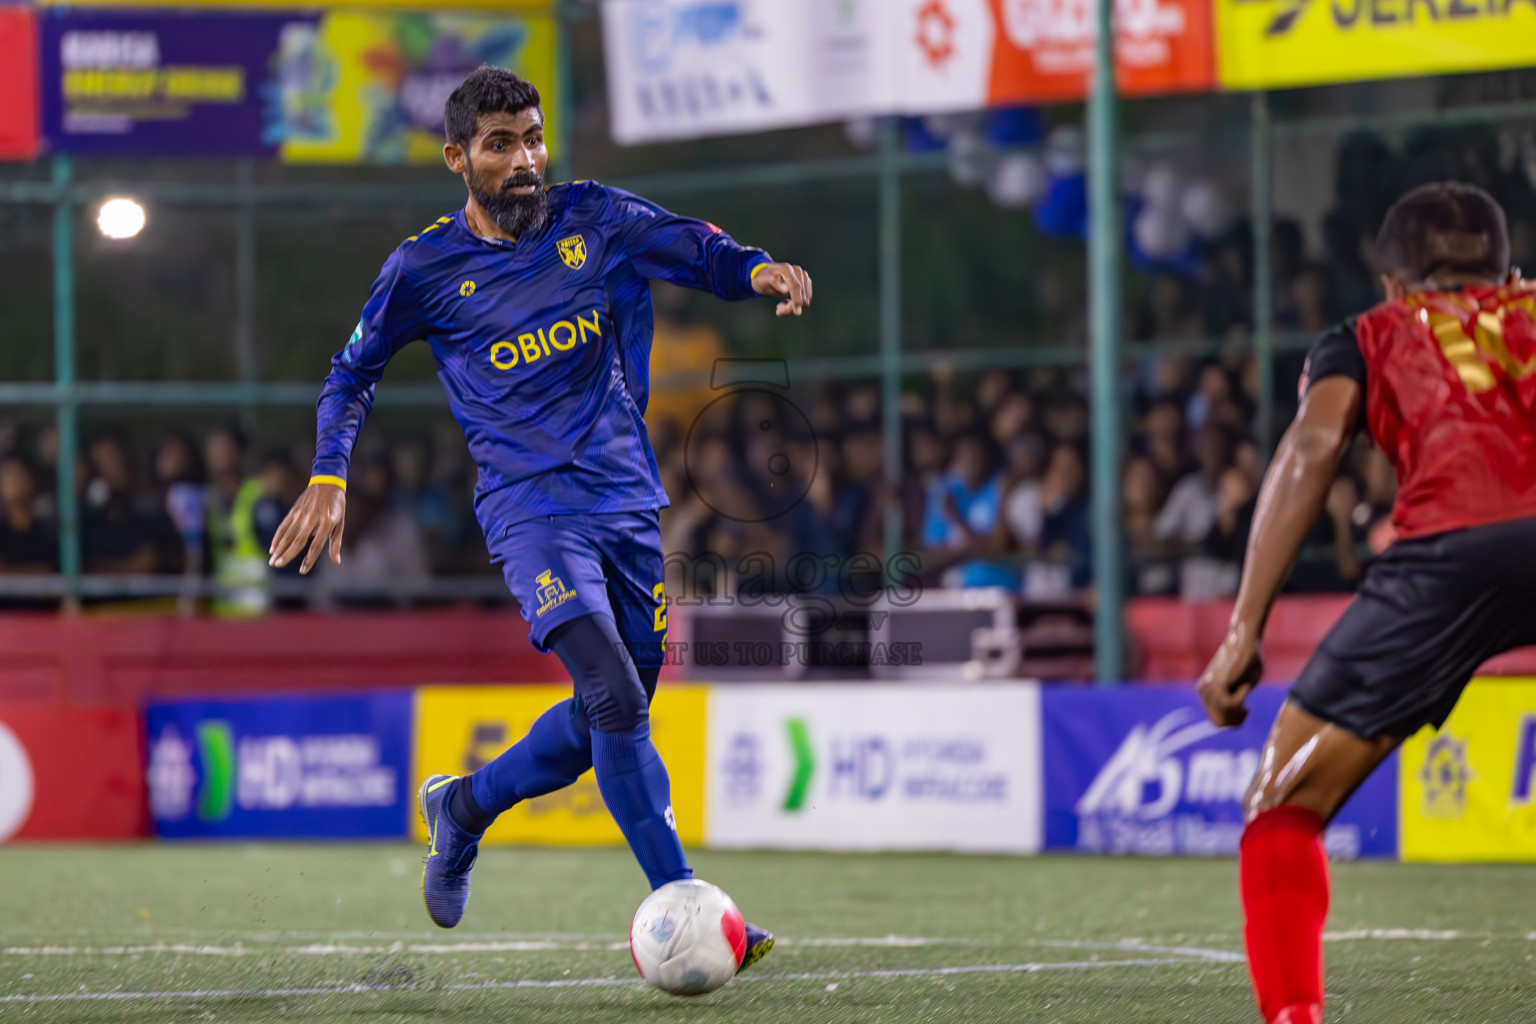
688,938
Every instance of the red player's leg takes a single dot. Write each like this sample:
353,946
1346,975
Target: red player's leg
1308,769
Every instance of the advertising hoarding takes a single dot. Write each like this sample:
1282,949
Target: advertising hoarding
687,68
461,728
1275,44
18,83
342,86
1141,770
1468,788
875,767
291,767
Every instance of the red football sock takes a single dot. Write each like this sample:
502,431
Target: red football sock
1285,898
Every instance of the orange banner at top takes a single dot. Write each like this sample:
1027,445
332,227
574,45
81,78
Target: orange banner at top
1045,48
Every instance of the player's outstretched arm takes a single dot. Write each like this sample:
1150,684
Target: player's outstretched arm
784,281
1294,492
318,516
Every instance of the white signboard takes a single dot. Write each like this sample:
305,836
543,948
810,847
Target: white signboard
681,68
875,767
686,68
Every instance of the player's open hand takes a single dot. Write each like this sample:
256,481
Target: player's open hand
318,516
1232,674
787,282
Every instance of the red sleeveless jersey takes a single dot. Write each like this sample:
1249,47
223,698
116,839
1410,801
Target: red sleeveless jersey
1451,400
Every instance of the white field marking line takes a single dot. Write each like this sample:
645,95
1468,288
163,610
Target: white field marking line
1393,934
431,948
565,983
1220,956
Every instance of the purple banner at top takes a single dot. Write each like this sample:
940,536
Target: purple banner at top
190,84
1140,769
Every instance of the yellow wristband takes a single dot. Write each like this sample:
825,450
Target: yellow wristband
334,481
760,266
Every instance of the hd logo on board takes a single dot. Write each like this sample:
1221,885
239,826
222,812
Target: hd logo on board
282,767
838,767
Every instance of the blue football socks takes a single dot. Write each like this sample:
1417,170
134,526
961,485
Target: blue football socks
638,793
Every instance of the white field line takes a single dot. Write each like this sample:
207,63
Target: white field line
539,945
558,944
566,983
1397,934
1220,956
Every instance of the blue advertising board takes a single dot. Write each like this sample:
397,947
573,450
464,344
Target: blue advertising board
1141,770
290,767
168,83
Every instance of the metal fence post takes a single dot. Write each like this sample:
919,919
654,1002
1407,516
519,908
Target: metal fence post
67,411
1104,353
1262,215
890,328
245,290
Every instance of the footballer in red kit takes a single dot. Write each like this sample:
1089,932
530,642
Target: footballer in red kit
1442,375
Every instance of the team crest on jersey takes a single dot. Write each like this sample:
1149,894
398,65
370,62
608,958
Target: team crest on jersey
552,592
573,251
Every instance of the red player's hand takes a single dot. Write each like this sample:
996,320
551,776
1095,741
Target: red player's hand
784,281
318,516
1234,671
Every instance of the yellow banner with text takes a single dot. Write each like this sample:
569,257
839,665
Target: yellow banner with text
1467,789
1270,44
461,728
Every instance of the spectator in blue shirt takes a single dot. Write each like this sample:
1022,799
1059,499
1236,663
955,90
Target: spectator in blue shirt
960,521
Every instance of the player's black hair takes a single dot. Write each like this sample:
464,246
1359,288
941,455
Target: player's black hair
1448,227
487,90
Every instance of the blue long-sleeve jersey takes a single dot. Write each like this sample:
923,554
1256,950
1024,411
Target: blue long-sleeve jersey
543,347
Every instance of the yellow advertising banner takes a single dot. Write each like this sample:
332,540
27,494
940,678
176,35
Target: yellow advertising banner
370,86
460,728
1269,44
1467,789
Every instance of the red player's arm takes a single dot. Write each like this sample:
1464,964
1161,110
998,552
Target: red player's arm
1294,492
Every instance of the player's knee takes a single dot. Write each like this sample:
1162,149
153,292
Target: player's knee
624,706
608,689
1267,795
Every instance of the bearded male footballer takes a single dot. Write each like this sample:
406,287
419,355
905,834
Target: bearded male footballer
1443,377
536,303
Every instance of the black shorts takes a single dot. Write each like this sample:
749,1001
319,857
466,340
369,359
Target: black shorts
1429,613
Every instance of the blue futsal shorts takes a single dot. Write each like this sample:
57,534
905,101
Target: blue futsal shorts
563,567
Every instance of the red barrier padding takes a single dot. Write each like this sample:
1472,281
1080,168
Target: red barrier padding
1171,640
71,772
87,659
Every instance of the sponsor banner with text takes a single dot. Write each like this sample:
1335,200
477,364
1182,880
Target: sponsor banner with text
305,86
1469,788
293,767
870,767
461,728
1273,44
69,772
1141,770
687,68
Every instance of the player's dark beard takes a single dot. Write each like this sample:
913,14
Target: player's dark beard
516,215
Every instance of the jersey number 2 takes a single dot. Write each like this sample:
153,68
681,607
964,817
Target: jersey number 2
659,592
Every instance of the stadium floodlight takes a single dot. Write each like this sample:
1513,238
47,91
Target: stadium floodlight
120,218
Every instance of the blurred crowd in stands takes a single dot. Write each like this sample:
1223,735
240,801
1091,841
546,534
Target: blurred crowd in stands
993,488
